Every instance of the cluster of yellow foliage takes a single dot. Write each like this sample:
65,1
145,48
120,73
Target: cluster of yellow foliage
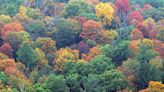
64,55
106,36
105,11
154,87
5,19
134,44
22,12
148,21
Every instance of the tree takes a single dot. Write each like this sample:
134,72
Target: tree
124,33
105,11
41,58
3,56
147,26
3,78
24,36
123,8
6,49
93,52
159,35
159,46
5,19
66,33
131,67
72,10
73,82
27,55
10,7
64,55
155,13
5,63
75,8
14,40
135,16
46,44
154,86
82,47
90,30
91,83
106,36
35,29
57,83
121,52
11,27
100,64
136,34
112,80
21,84
147,72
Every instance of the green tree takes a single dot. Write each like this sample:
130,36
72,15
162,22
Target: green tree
112,81
3,78
57,83
76,8
146,72
26,55
100,64
91,83
121,52
65,35
73,82
10,7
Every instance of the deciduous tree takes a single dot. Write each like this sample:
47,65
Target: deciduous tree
105,11
27,55
90,30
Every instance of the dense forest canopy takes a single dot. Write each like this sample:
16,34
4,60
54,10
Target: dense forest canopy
81,45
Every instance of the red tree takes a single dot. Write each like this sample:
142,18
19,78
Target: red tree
90,30
11,27
81,20
153,33
159,47
123,5
148,28
135,15
136,34
6,49
82,47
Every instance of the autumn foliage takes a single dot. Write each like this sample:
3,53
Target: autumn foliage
65,55
6,49
136,34
11,27
81,46
135,16
123,5
92,53
154,87
105,11
90,29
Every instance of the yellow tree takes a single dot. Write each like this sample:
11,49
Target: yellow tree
105,11
5,19
64,55
22,12
154,87
106,36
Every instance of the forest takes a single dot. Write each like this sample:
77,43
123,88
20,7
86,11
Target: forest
81,45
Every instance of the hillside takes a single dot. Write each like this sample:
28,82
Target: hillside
81,45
